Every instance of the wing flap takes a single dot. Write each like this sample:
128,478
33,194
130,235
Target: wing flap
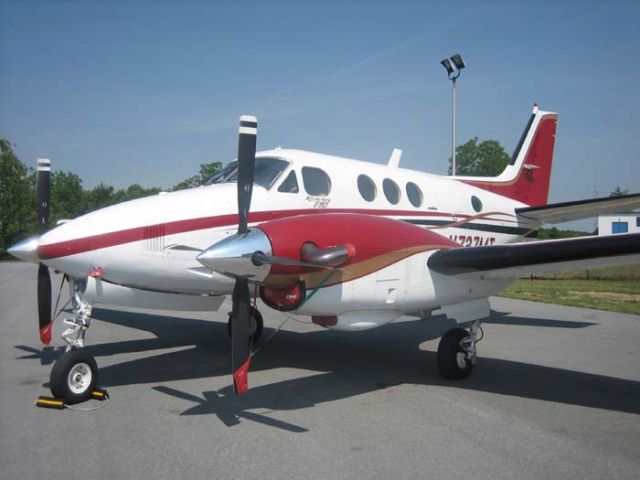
548,256
578,210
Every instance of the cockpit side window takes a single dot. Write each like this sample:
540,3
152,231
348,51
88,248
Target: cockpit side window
267,171
290,184
316,181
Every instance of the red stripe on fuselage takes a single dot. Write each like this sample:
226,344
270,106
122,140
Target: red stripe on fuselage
112,239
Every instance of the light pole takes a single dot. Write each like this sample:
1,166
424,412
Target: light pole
454,66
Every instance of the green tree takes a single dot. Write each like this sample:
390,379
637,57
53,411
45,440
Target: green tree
17,198
134,191
484,159
66,196
207,170
99,197
554,232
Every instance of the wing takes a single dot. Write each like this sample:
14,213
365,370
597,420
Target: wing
548,256
567,211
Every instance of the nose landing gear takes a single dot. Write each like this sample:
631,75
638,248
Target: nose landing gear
74,376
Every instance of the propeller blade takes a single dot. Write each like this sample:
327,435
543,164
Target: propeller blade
43,193
44,304
240,335
246,167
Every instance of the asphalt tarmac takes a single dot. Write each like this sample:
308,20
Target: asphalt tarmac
555,394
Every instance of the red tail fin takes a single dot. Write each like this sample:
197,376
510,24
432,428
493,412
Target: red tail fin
527,177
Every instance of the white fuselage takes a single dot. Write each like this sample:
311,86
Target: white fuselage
152,243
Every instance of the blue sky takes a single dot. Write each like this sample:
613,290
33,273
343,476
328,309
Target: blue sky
125,92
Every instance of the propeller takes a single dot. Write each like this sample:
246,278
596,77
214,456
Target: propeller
43,195
231,257
241,297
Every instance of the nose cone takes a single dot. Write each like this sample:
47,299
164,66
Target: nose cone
26,250
232,256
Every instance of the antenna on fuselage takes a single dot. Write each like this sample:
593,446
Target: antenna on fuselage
394,159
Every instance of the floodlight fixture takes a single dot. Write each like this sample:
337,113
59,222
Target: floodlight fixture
446,63
458,61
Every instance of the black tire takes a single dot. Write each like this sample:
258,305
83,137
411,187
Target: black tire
448,350
257,317
74,376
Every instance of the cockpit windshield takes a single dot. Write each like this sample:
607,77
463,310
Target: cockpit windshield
268,169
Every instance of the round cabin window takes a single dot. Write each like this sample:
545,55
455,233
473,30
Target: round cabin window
414,194
367,188
391,191
476,203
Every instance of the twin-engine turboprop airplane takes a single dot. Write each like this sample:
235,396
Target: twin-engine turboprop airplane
350,245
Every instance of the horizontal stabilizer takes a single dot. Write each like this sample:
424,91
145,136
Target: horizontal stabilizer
577,210
548,256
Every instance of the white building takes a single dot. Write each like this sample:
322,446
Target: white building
611,223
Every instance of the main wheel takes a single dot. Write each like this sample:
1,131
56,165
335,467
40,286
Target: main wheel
256,325
453,359
74,376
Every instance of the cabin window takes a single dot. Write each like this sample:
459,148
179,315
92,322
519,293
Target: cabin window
290,184
476,203
367,188
414,194
267,171
316,181
391,191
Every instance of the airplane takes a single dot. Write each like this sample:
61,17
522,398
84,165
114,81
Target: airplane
345,244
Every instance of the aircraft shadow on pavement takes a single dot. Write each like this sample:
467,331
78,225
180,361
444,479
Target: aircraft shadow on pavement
348,364
505,318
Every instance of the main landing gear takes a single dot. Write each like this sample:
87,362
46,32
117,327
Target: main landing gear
75,374
457,352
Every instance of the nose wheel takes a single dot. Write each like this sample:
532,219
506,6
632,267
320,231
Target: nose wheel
74,376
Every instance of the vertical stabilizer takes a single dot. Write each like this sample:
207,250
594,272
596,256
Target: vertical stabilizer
527,177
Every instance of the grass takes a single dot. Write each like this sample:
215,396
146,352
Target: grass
614,289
